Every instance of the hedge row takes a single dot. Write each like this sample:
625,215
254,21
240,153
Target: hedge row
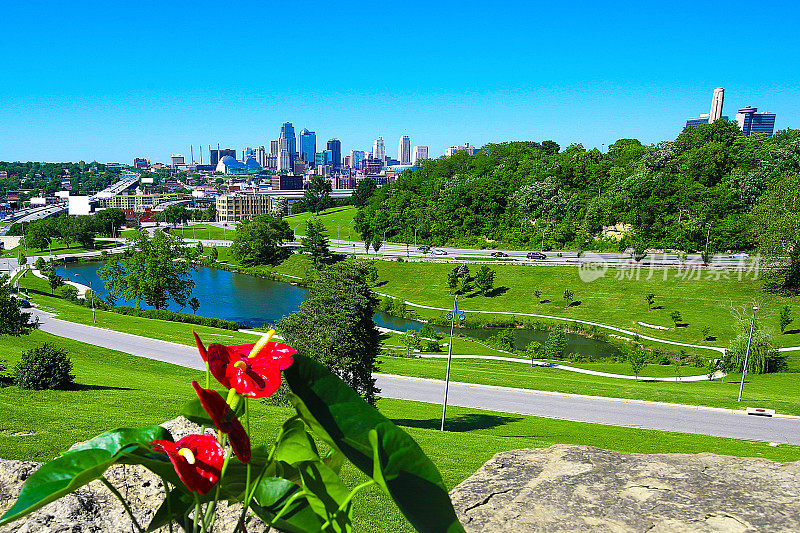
164,314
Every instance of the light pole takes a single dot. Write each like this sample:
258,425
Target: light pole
708,234
451,316
91,290
747,353
348,232
384,240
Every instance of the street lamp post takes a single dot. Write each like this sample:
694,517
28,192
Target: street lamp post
384,240
451,316
747,353
708,234
348,232
91,290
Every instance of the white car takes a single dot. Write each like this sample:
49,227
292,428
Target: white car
438,252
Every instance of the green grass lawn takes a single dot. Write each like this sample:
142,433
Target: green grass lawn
118,390
778,391
59,248
610,301
205,231
330,218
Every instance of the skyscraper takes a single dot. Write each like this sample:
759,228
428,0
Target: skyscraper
716,105
273,148
420,153
288,141
356,156
404,150
335,147
308,146
378,150
751,122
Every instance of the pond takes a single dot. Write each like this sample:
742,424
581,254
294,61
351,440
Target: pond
255,301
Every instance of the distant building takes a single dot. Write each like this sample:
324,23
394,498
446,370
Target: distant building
356,156
273,148
215,155
371,165
238,207
178,161
696,121
287,141
404,150
308,146
319,159
420,153
335,148
287,182
346,162
284,160
751,122
716,105
140,162
467,147
261,156
299,167
379,150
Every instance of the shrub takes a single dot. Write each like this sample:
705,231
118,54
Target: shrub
433,346
555,345
44,367
172,316
68,292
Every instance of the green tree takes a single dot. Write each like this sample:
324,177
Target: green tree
149,272
452,279
364,190
38,234
335,326
484,280
764,358
650,298
428,332
176,214
776,228
636,358
13,321
676,317
376,243
705,331
568,295
108,221
280,208
538,294
410,340
555,345
194,304
317,195
503,339
214,254
785,318
257,241
532,350
315,241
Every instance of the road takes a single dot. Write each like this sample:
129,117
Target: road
579,408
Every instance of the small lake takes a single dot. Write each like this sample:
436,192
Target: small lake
255,301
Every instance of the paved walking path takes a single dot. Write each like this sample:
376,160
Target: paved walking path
611,411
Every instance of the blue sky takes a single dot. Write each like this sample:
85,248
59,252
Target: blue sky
113,80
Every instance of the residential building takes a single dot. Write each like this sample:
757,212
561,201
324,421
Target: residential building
420,153
238,207
404,150
379,150
749,121
308,146
335,147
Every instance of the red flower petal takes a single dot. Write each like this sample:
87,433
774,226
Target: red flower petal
225,419
200,347
201,476
254,377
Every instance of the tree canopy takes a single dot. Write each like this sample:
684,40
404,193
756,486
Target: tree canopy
257,241
154,270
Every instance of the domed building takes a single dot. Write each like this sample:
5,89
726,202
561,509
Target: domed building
230,165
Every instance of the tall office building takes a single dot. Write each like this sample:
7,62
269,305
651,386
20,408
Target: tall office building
261,156
404,150
356,156
287,141
751,122
177,161
284,161
335,147
379,150
308,146
273,148
716,105
420,153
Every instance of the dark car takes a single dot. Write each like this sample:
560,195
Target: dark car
499,254
424,249
539,256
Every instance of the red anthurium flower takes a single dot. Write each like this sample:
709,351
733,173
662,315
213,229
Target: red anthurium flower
225,419
253,370
200,347
197,460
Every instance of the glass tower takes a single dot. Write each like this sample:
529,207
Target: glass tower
308,146
335,147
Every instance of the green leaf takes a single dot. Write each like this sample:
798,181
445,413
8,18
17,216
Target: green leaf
337,414
295,445
328,494
75,468
193,410
271,495
180,504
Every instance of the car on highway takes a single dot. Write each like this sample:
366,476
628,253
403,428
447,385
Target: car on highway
499,254
437,251
538,256
424,249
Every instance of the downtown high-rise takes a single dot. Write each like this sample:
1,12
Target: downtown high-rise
379,150
420,153
335,148
404,150
308,146
287,142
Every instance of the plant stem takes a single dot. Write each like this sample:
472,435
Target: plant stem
169,503
116,493
196,512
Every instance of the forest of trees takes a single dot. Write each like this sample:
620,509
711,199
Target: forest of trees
672,195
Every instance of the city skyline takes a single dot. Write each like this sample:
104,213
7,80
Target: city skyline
152,94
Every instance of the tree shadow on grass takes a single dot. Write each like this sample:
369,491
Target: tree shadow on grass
382,283
576,303
791,331
88,387
461,423
497,291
